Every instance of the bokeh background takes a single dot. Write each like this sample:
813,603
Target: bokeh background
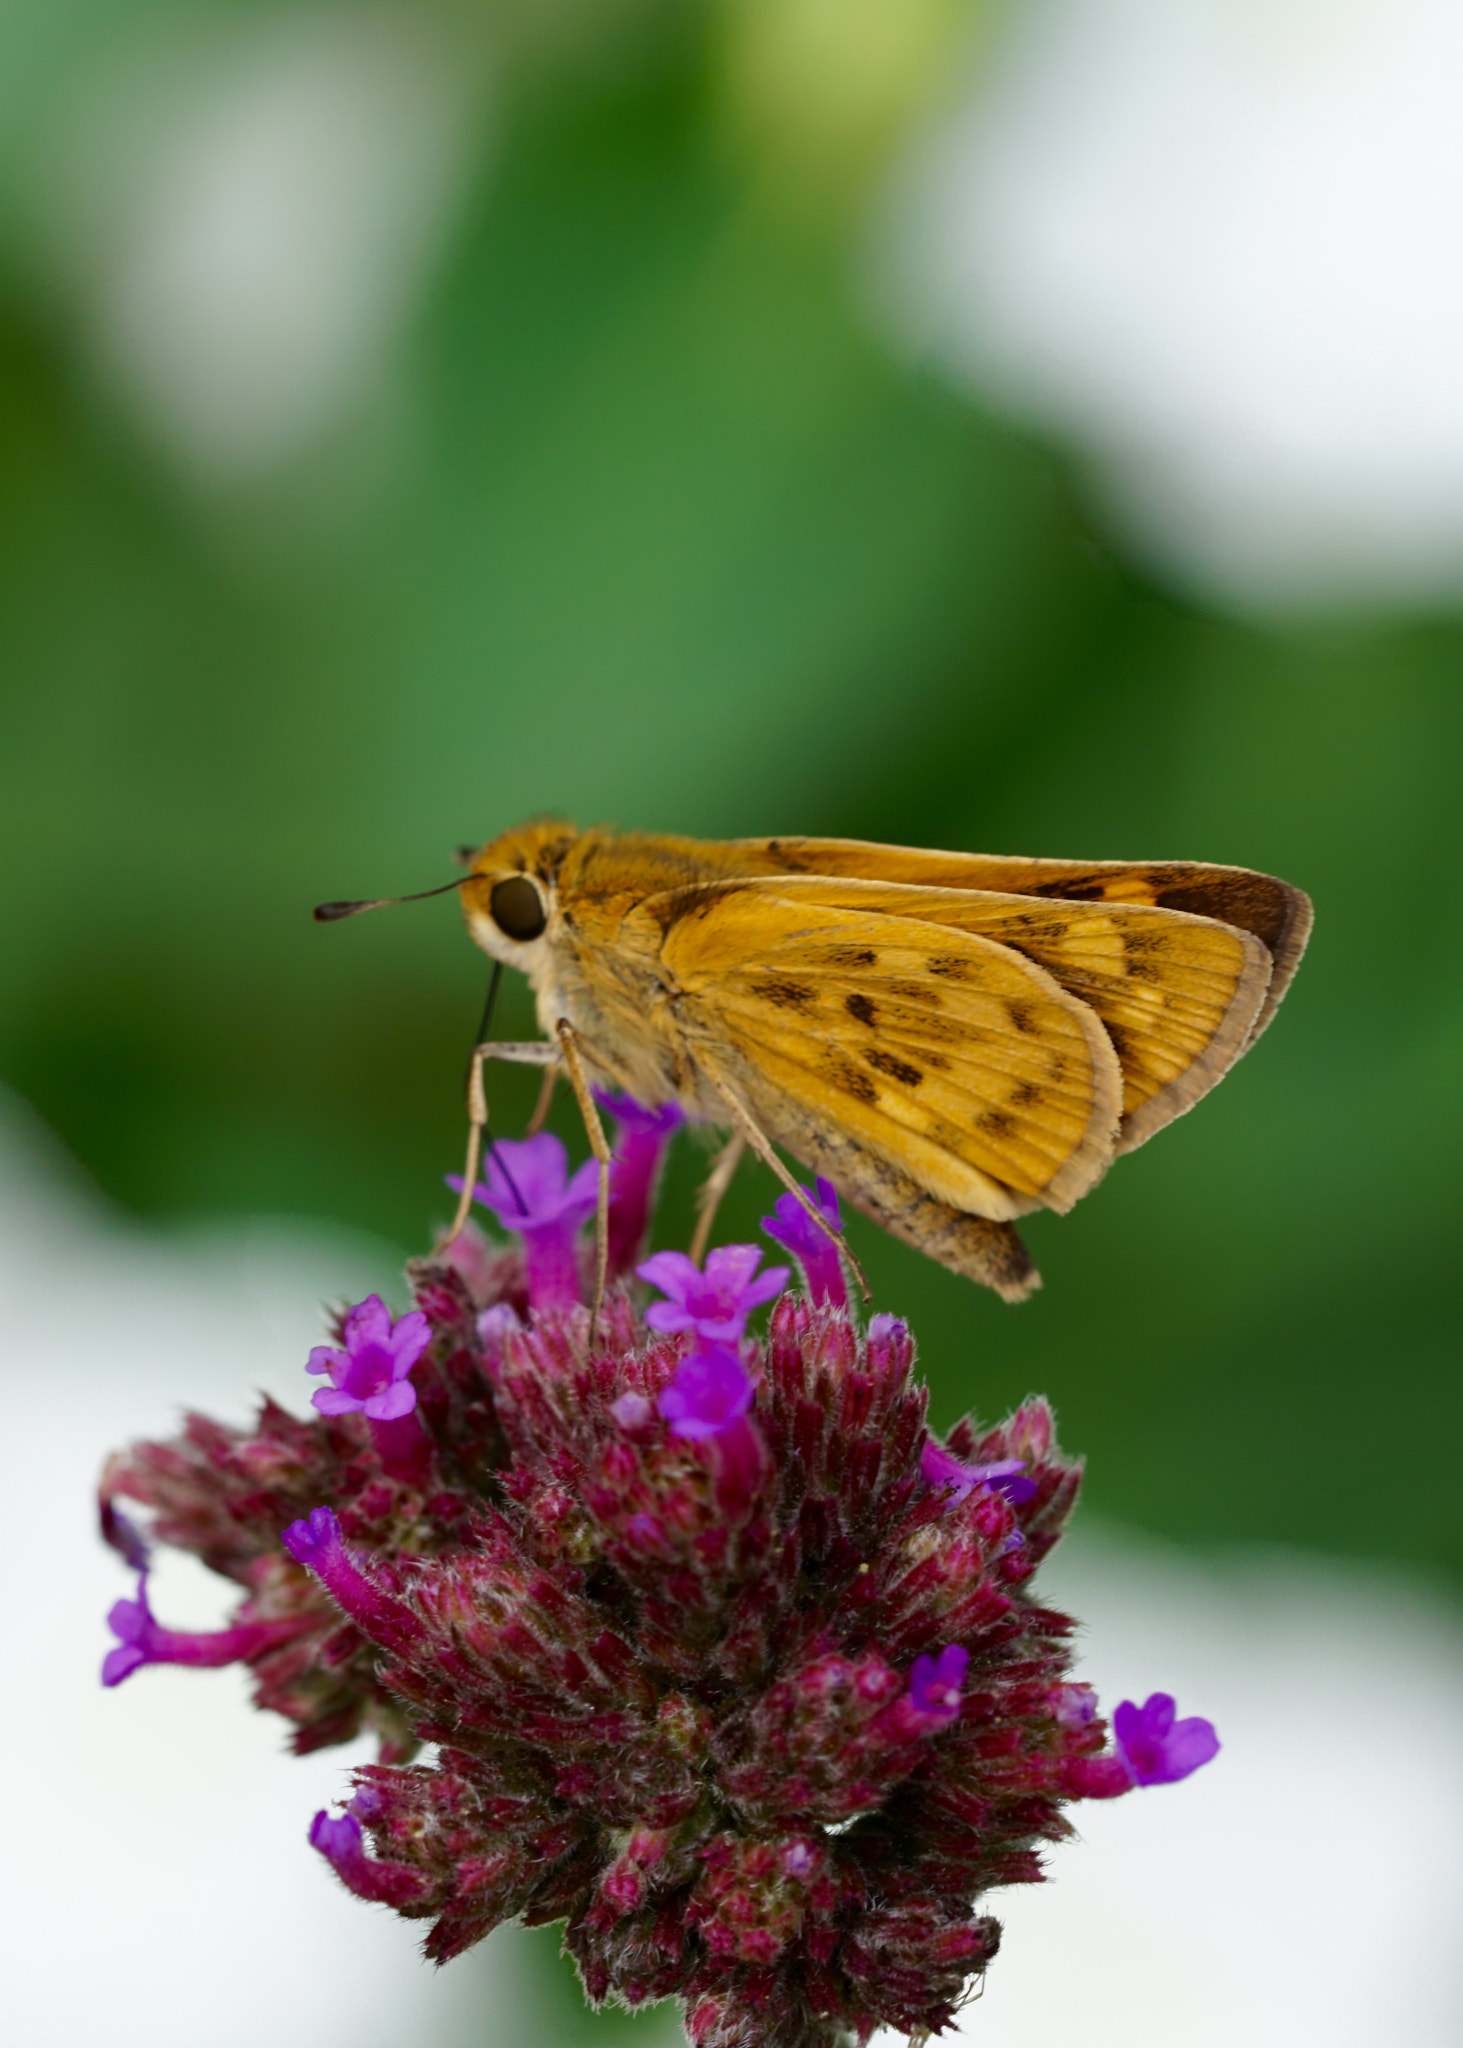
1034,429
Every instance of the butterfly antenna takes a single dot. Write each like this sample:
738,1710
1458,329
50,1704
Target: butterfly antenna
331,913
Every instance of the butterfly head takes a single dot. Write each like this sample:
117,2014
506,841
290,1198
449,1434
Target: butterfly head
511,895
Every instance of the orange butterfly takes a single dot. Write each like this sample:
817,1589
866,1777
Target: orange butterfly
954,1039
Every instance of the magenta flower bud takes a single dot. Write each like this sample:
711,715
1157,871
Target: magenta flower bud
632,1411
817,1254
142,1640
939,1468
1156,1749
711,1390
527,1186
716,1303
317,1543
934,1686
641,1137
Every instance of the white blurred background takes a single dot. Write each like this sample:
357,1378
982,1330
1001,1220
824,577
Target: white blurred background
1217,246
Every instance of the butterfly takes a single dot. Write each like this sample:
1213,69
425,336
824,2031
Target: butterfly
952,1039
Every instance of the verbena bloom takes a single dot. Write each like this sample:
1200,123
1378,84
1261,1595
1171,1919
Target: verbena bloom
717,1302
369,1374
1155,1747
527,1185
641,1137
1006,1475
935,1682
673,1639
794,1229
711,1389
141,1639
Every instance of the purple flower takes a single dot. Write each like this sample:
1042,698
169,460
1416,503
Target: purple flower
711,1390
716,1303
940,1467
340,1842
934,1685
142,1640
817,1254
370,1376
527,1186
641,1136
316,1540
1155,1748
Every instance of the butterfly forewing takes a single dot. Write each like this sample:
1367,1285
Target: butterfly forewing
954,1055
1272,911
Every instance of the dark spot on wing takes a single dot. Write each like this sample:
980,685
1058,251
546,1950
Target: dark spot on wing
949,966
676,906
851,1079
1075,889
787,855
995,1123
786,995
1022,1016
851,956
915,992
896,1068
1024,1094
937,1060
860,1007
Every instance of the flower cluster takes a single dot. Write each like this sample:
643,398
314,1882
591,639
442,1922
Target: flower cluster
725,1661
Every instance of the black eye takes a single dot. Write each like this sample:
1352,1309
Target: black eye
517,908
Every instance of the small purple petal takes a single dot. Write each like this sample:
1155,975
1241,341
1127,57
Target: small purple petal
940,1467
935,1682
714,1303
794,1229
372,1367
525,1186
1157,1749
313,1539
711,1390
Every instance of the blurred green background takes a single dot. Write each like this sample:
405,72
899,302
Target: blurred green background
635,519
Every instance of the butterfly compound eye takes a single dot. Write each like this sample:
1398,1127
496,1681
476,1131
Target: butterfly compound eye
517,908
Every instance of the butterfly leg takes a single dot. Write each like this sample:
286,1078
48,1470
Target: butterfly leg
529,1053
713,1188
599,1145
541,1107
762,1146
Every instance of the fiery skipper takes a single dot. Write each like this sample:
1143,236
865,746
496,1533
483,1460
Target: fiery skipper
953,1039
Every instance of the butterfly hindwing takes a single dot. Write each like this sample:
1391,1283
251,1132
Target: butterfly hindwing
939,1049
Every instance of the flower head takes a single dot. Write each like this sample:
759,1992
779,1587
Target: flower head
717,1302
686,1619
817,1254
1157,1749
370,1376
